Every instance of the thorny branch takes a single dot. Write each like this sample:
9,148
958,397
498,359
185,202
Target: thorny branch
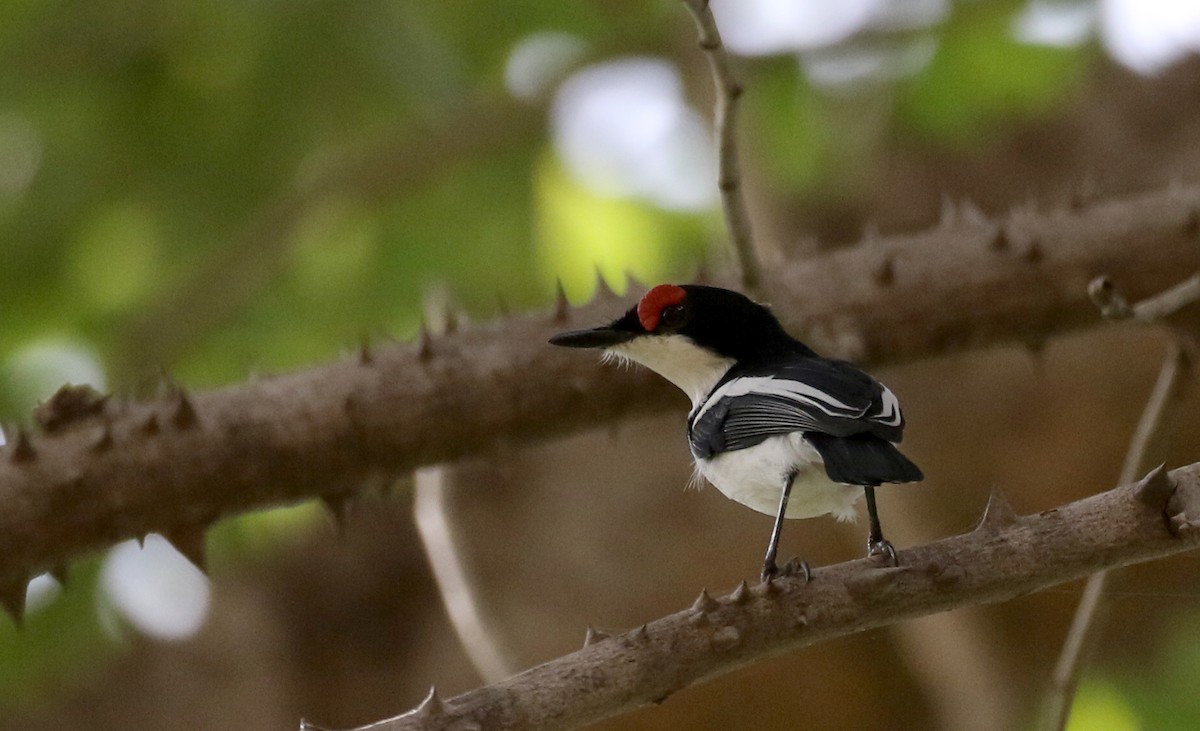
1163,401
728,91
100,470
1004,557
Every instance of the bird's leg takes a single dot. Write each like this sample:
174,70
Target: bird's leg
876,543
769,567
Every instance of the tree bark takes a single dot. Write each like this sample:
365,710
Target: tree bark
1004,557
98,470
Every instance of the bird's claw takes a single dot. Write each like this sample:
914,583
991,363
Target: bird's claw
797,565
791,568
883,547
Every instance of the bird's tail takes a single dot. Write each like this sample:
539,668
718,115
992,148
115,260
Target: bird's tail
863,459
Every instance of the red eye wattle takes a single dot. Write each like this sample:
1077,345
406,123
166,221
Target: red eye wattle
650,309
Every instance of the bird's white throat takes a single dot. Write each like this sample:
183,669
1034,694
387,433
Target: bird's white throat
678,359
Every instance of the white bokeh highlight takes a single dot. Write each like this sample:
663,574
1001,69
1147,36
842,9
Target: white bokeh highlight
856,65
1056,23
624,129
43,366
1150,35
764,27
156,589
41,592
539,60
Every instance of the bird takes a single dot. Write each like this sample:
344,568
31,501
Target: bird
773,425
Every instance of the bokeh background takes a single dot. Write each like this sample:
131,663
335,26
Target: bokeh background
224,189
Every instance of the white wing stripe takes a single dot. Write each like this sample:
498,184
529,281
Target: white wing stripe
889,411
770,386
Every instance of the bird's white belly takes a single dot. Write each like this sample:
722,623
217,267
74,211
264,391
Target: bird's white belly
754,477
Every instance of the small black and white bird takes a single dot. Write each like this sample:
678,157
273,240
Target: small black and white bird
773,425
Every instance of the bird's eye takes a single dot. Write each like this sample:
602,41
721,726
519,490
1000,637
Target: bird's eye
672,317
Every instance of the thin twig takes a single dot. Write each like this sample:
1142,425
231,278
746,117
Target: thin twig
728,91
1167,394
1114,306
1005,557
457,592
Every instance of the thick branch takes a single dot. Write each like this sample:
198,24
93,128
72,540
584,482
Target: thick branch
1003,558
101,472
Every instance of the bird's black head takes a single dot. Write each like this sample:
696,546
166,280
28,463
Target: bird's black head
723,322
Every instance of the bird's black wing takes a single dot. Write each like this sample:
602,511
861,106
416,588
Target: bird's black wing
797,394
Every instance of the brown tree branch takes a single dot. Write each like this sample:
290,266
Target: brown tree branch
99,471
728,91
1005,557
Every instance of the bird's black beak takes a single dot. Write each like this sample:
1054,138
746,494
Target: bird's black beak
597,337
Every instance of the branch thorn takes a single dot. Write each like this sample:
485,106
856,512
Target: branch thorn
432,705
150,425
61,573
971,214
948,216
12,596
105,441
425,343
704,603
769,587
337,505
741,594
68,404
184,414
1155,488
603,290
22,448
998,514
1033,251
594,635
562,308
885,273
999,240
190,541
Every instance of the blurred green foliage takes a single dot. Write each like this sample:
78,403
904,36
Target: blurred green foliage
223,187
1157,694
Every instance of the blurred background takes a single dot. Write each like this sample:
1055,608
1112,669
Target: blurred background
229,188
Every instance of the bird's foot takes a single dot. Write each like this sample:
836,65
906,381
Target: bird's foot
798,566
791,568
882,547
